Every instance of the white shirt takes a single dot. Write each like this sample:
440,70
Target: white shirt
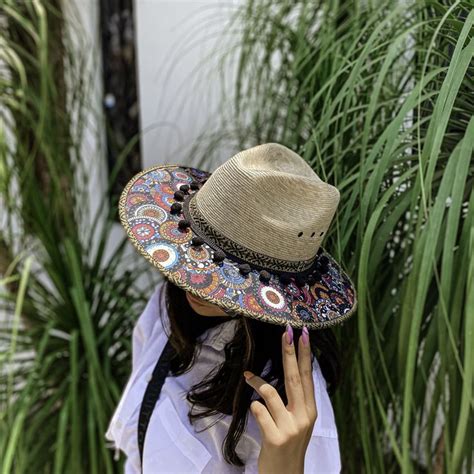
171,444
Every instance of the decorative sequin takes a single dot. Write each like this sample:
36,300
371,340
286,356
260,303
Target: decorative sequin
151,211
164,254
272,297
170,231
181,176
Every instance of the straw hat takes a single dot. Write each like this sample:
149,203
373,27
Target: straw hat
246,237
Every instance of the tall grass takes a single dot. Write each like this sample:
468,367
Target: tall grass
377,97
66,324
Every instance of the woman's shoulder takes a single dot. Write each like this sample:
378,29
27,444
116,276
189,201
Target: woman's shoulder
152,322
157,298
148,341
154,310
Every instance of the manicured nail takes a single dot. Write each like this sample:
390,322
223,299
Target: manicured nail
247,374
289,334
305,335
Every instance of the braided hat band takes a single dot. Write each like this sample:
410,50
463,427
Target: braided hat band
234,250
217,252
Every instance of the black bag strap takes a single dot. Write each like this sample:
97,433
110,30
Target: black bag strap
152,394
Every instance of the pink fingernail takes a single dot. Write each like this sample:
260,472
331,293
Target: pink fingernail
305,335
248,374
289,334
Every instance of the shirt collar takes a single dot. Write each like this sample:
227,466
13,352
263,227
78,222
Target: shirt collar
218,336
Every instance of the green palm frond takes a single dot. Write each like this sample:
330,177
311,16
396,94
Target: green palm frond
377,97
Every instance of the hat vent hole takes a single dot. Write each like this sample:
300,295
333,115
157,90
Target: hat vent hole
321,234
312,235
300,234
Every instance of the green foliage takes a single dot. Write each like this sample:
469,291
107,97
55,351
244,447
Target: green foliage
377,97
69,298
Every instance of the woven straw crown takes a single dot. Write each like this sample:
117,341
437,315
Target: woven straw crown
269,200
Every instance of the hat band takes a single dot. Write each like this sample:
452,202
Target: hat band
215,239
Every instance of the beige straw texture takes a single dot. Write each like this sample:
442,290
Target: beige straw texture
268,199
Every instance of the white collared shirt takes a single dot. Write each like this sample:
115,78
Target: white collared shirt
171,444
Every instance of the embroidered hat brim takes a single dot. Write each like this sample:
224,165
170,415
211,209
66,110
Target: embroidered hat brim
145,212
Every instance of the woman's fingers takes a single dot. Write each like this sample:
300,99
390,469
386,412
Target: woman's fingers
293,383
299,386
306,373
273,401
266,424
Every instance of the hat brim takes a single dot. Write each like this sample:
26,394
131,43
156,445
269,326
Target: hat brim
144,210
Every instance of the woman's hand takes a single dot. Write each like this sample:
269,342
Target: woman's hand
286,430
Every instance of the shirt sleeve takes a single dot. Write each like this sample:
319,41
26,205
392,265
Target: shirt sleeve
147,322
322,456
251,466
147,336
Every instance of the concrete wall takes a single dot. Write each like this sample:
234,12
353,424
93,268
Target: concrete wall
178,76
179,85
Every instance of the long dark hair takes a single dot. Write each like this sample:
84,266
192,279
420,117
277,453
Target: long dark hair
225,391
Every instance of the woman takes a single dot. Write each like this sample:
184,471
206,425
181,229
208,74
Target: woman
240,252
